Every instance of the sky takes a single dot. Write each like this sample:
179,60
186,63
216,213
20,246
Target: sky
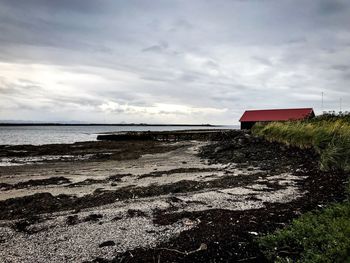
179,61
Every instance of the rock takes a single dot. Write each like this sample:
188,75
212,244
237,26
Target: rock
93,217
72,220
22,225
203,246
174,199
218,149
117,218
134,213
108,243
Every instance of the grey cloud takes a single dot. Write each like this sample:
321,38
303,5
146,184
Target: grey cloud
90,6
230,98
211,64
155,78
264,61
193,53
162,46
340,67
331,7
299,40
180,25
22,87
29,95
188,77
346,76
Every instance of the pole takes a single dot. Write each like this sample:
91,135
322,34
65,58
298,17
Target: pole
322,101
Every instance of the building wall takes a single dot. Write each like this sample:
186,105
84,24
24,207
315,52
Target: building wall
247,125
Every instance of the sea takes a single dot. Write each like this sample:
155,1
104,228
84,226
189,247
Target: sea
39,135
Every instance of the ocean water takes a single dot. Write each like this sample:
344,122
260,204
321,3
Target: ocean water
38,135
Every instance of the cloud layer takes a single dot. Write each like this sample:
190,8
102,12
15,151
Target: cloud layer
171,61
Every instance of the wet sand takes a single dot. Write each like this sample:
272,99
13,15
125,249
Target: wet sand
132,199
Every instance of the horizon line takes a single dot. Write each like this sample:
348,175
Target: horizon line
102,124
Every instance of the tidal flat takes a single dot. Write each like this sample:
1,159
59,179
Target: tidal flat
151,201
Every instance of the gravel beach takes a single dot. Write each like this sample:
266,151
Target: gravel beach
149,201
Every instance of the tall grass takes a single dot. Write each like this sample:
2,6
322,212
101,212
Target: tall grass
328,134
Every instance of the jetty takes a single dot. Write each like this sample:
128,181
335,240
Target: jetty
177,135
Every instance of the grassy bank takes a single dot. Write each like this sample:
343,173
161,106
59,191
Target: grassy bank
319,236
328,134
322,235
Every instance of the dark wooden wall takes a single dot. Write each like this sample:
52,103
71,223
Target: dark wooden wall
247,125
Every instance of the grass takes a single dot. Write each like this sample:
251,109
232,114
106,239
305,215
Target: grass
328,134
319,236
322,236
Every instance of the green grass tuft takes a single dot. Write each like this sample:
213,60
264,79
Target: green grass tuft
322,236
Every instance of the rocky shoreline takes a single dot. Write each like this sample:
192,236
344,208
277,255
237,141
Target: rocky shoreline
148,201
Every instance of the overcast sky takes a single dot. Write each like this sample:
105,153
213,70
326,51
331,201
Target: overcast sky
181,61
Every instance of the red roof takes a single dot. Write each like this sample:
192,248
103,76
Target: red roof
276,115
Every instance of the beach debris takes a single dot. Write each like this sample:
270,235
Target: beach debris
202,247
190,223
108,243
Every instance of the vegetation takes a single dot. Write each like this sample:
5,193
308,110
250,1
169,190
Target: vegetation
318,236
321,236
328,134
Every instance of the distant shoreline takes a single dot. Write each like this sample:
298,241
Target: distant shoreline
108,124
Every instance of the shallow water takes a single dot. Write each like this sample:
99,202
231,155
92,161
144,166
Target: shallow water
38,135
15,161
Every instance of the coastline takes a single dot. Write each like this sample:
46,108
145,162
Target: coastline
107,124
63,134
145,196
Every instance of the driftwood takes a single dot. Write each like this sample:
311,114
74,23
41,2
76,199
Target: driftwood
201,248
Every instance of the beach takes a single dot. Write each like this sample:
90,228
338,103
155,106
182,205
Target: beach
154,201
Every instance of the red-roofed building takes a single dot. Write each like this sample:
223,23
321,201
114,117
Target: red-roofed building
250,117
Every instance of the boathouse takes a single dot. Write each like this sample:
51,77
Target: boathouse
250,117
